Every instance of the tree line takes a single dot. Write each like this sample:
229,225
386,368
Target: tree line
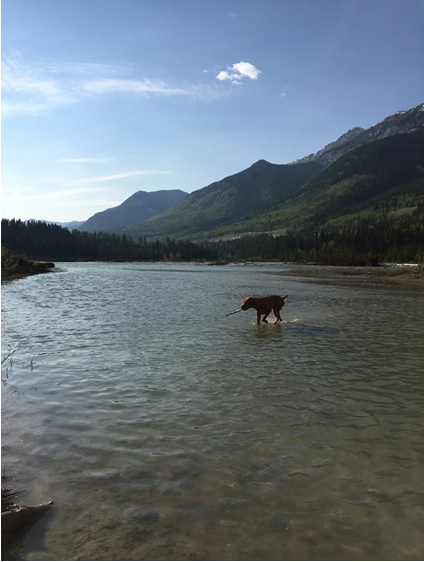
366,241
400,240
50,242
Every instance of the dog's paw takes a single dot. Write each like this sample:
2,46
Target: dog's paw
266,321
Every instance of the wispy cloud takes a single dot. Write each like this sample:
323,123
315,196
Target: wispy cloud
85,160
142,87
119,176
239,71
41,85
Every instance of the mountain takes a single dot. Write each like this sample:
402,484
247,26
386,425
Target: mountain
217,208
227,200
69,225
139,207
381,178
400,122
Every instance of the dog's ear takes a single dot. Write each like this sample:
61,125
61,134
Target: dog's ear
246,302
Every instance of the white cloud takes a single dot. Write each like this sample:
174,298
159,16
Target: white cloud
42,85
239,71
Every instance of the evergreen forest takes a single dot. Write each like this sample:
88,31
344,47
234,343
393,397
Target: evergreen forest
366,243
41,241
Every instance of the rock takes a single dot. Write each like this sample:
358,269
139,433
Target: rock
20,521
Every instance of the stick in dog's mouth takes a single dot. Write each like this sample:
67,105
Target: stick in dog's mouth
229,314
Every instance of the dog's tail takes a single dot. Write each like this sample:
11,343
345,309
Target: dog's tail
285,297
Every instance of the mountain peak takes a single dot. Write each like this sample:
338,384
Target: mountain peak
140,206
259,164
400,122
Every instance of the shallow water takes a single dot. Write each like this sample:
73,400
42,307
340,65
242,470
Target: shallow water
162,429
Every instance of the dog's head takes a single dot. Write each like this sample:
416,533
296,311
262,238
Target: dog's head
248,303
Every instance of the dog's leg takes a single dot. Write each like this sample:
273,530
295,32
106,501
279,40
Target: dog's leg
277,315
258,317
264,319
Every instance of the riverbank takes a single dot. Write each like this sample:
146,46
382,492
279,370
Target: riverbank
397,274
404,274
15,265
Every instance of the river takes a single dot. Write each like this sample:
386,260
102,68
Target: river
163,430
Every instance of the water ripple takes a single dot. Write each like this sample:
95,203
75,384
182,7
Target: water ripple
169,424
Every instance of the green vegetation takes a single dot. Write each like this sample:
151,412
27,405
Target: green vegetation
139,207
365,243
16,264
373,180
240,195
52,242
9,260
367,206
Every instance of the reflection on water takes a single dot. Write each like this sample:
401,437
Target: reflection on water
164,430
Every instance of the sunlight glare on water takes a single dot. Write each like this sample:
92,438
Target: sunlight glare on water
162,429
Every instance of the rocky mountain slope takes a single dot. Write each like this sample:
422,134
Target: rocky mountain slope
400,122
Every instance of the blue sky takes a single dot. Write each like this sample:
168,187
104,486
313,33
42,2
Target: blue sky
102,98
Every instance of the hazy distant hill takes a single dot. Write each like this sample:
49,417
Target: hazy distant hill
400,122
221,202
385,177
139,207
69,225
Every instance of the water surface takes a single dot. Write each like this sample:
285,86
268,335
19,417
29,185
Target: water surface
164,430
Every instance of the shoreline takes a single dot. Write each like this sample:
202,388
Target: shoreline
410,275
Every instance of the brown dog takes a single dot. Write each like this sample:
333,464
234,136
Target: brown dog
264,305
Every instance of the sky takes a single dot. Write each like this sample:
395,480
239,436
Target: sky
103,98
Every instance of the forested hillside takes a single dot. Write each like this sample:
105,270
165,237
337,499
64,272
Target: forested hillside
139,207
379,180
222,202
50,242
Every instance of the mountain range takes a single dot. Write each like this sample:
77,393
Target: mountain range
274,197
69,225
224,201
232,206
381,179
400,122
